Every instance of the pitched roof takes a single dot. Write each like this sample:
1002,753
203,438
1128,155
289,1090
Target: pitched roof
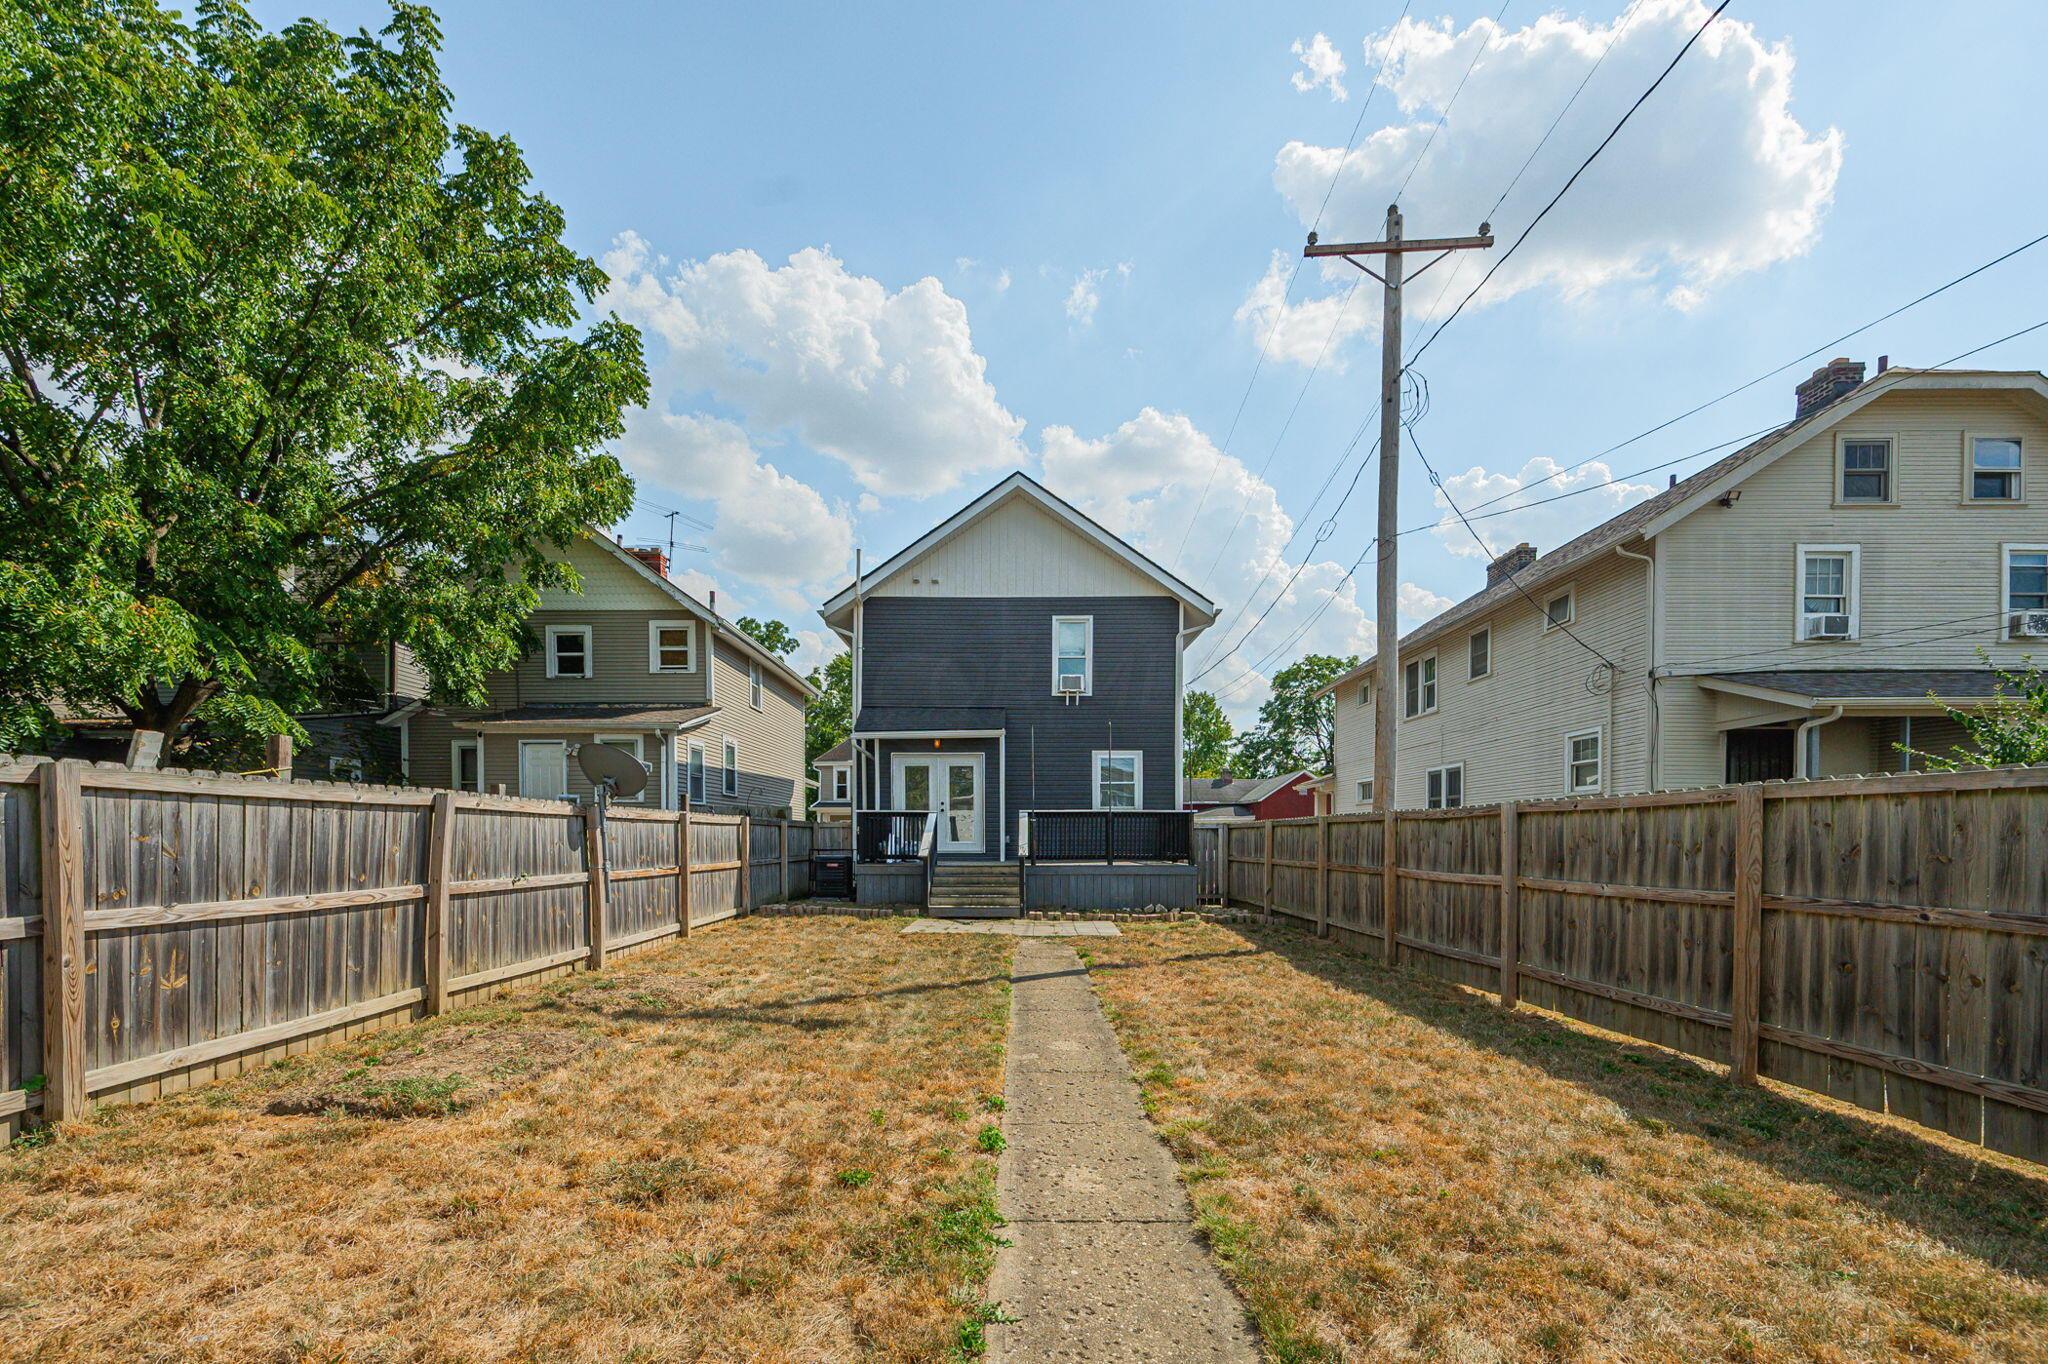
1020,484
1869,684
1653,514
1235,790
927,719
841,752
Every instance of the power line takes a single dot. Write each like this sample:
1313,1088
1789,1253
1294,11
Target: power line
1508,255
1329,596
1446,111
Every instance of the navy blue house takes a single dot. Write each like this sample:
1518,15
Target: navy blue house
1019,657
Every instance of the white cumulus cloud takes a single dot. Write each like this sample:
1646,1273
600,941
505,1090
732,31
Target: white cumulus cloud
1712,179
1144,481
1418,604
1499,506
1310,329
889,384
1322,66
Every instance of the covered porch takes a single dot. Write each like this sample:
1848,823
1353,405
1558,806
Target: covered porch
1792,724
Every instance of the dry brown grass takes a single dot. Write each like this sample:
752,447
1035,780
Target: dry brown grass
758,1145
1393,1169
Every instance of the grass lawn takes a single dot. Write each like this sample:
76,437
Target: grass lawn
1394,1169
757,1145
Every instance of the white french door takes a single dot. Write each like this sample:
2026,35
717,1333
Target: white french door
950,786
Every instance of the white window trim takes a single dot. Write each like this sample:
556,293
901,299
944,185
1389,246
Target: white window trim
1598,734
1137,757
1471,676
639,756
1843,440
525,744
840,783
555,632
1443,784
654,629
696,769
1435,686
1364,790
1853,586
455,747
2005,606
1571,609
1970,498
1365,694
754,685
337,761
729,764
1087,643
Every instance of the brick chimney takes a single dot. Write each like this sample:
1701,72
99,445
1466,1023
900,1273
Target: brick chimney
652,556
1514,561
1836,379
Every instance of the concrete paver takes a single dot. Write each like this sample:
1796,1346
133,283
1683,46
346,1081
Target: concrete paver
1103,1261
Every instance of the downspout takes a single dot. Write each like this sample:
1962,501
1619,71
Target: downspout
1650,613
1800,767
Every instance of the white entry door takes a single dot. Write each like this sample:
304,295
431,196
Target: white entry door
949,785
543,769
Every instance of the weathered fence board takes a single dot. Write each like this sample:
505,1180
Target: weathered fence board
1883,940
224,921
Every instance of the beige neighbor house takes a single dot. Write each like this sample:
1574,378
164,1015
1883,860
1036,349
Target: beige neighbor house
834,803
634,661
1806,606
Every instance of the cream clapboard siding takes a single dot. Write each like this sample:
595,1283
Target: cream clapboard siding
620,663
1017,550
1509,728
433,734
1729,591
771,739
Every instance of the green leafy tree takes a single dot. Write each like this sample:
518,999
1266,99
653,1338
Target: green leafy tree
287,367
1297,729
2013,728
771,635
829,717
1205,734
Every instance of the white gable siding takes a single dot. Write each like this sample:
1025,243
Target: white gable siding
1017,550
1729,593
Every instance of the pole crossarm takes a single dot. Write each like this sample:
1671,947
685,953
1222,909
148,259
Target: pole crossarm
1478,243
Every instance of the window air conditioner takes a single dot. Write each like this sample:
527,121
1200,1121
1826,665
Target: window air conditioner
1072,684
1827,627
2030,624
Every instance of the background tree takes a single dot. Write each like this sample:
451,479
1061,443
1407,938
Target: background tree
1205,735
283,371
1296,729
771,635
2013,728
829,718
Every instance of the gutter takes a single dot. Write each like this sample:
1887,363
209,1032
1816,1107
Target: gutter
1799,763
1650,612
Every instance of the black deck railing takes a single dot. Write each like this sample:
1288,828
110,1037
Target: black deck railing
1110,835
890,835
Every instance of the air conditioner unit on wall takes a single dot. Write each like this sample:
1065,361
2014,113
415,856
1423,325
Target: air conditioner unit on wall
1072,684
2030,625
1827,627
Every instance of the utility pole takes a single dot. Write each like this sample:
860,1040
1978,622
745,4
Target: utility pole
1386,687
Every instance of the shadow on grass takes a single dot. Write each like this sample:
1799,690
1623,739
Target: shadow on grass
1980,1208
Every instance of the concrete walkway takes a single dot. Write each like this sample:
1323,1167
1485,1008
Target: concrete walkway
1103,1261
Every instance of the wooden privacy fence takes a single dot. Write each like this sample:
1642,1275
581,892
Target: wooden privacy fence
1883,940
158,928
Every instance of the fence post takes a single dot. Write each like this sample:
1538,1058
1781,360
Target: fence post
595,862
440,870
277,756
1390,889
1266,893
1223,864
1322,876
63,868
1510,905
745,899
683,839
1747,973
782,851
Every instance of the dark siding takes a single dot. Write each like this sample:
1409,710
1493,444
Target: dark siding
988,750
979,651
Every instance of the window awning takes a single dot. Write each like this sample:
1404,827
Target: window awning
875,721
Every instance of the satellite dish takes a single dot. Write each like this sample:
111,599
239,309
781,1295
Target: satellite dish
607,764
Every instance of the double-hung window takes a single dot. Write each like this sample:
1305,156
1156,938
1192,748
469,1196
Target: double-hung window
1119,780
569,651
732,766
2026,591
1866,469
1582,763
1479,654
1447,786
754,684
671,646
697,788
1559,610
1994,468
839,783
1419,684
1073,655
466,763
1828,608
1365,790
1365,693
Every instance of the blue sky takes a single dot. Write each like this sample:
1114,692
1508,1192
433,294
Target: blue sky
885,255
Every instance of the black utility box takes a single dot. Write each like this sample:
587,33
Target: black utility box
832,875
